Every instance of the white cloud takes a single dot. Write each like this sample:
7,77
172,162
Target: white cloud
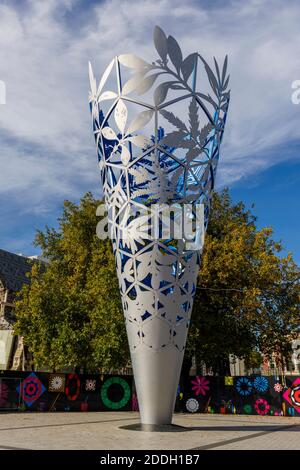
44,56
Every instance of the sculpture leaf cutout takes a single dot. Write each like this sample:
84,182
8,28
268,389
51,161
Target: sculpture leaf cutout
211,77
176,139
194,118
174,52
188,65
107,95
140,121
161,92
224,70
125,155
132,61
146,84
121,115
109,133
173,119
160,42
105,76
132,83
139,141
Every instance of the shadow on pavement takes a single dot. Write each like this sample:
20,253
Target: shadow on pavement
176,428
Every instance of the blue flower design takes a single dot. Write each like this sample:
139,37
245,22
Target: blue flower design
261,384
244,386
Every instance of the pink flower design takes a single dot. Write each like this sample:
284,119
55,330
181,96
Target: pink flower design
261,406
135,403
278,387
200,385
90,385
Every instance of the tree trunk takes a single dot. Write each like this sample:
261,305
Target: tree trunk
223,366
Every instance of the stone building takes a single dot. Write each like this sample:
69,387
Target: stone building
13,269
296,355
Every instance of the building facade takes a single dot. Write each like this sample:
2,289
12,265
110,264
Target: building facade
13,270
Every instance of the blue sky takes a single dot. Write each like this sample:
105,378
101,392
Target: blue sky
47,152
275,194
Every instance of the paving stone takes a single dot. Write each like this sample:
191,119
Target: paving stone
107,430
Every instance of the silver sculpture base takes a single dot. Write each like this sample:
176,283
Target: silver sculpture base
156,380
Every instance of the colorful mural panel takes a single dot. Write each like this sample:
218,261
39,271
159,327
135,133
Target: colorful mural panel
257,395
31,389
115,393
41,391
56,383
292,395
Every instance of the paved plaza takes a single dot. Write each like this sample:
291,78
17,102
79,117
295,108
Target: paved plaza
88,431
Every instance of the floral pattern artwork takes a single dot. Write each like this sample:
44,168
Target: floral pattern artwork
72,389
278,387
192,405
105,393
30,389
262,407
200,386
23,390
228,380
247,408
244,386
90,385
158,139
261,384
57,383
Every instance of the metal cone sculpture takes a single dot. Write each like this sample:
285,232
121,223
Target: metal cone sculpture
158,139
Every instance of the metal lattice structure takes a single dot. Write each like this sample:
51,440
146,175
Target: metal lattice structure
158,141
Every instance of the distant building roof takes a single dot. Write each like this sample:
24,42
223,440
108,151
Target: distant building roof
13,269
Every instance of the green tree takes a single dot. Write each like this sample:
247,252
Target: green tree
279,320
247,294
71,315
